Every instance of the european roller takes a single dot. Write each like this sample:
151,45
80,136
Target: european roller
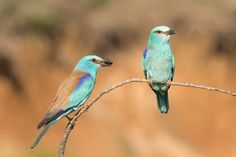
158,64
73,92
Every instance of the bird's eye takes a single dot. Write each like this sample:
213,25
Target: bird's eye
159,31
93,60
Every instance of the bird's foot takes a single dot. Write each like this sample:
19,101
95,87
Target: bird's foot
164,82
72,124
70,121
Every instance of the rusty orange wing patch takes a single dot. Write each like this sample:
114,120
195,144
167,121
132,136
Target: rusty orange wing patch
62,97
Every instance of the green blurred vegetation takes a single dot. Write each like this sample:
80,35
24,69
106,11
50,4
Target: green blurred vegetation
43,25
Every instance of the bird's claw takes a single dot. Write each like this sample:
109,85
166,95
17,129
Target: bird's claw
73,125
164,82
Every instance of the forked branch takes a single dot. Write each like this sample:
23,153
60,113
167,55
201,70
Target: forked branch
86,106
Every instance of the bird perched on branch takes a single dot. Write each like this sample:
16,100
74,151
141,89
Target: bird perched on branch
73,92
158,64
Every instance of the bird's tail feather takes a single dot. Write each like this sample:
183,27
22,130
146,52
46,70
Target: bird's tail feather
162,101
45,129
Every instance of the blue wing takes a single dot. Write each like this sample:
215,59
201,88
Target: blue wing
81,92
71,94
173,67
145,53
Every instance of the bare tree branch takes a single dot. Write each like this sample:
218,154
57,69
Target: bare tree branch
86,106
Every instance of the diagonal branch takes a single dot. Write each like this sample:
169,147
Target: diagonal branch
84,108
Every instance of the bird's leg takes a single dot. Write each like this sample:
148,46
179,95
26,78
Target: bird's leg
69,118
164,82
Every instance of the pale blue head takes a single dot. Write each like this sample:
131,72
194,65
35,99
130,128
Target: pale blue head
160,35
92,64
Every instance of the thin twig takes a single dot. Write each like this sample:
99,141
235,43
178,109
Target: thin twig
85,107
214,89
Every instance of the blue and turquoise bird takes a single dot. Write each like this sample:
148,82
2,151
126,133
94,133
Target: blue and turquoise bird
158,64
73,92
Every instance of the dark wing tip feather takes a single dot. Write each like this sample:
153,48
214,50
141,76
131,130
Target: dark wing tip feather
41,124
46,120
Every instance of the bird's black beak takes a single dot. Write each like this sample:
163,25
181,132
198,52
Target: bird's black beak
106,62
171,32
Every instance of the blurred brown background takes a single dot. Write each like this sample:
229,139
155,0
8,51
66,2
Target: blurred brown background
41,41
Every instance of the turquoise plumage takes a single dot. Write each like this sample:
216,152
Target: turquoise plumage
73,92
158,64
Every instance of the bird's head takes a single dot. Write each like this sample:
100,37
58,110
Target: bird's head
92,63
161,34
